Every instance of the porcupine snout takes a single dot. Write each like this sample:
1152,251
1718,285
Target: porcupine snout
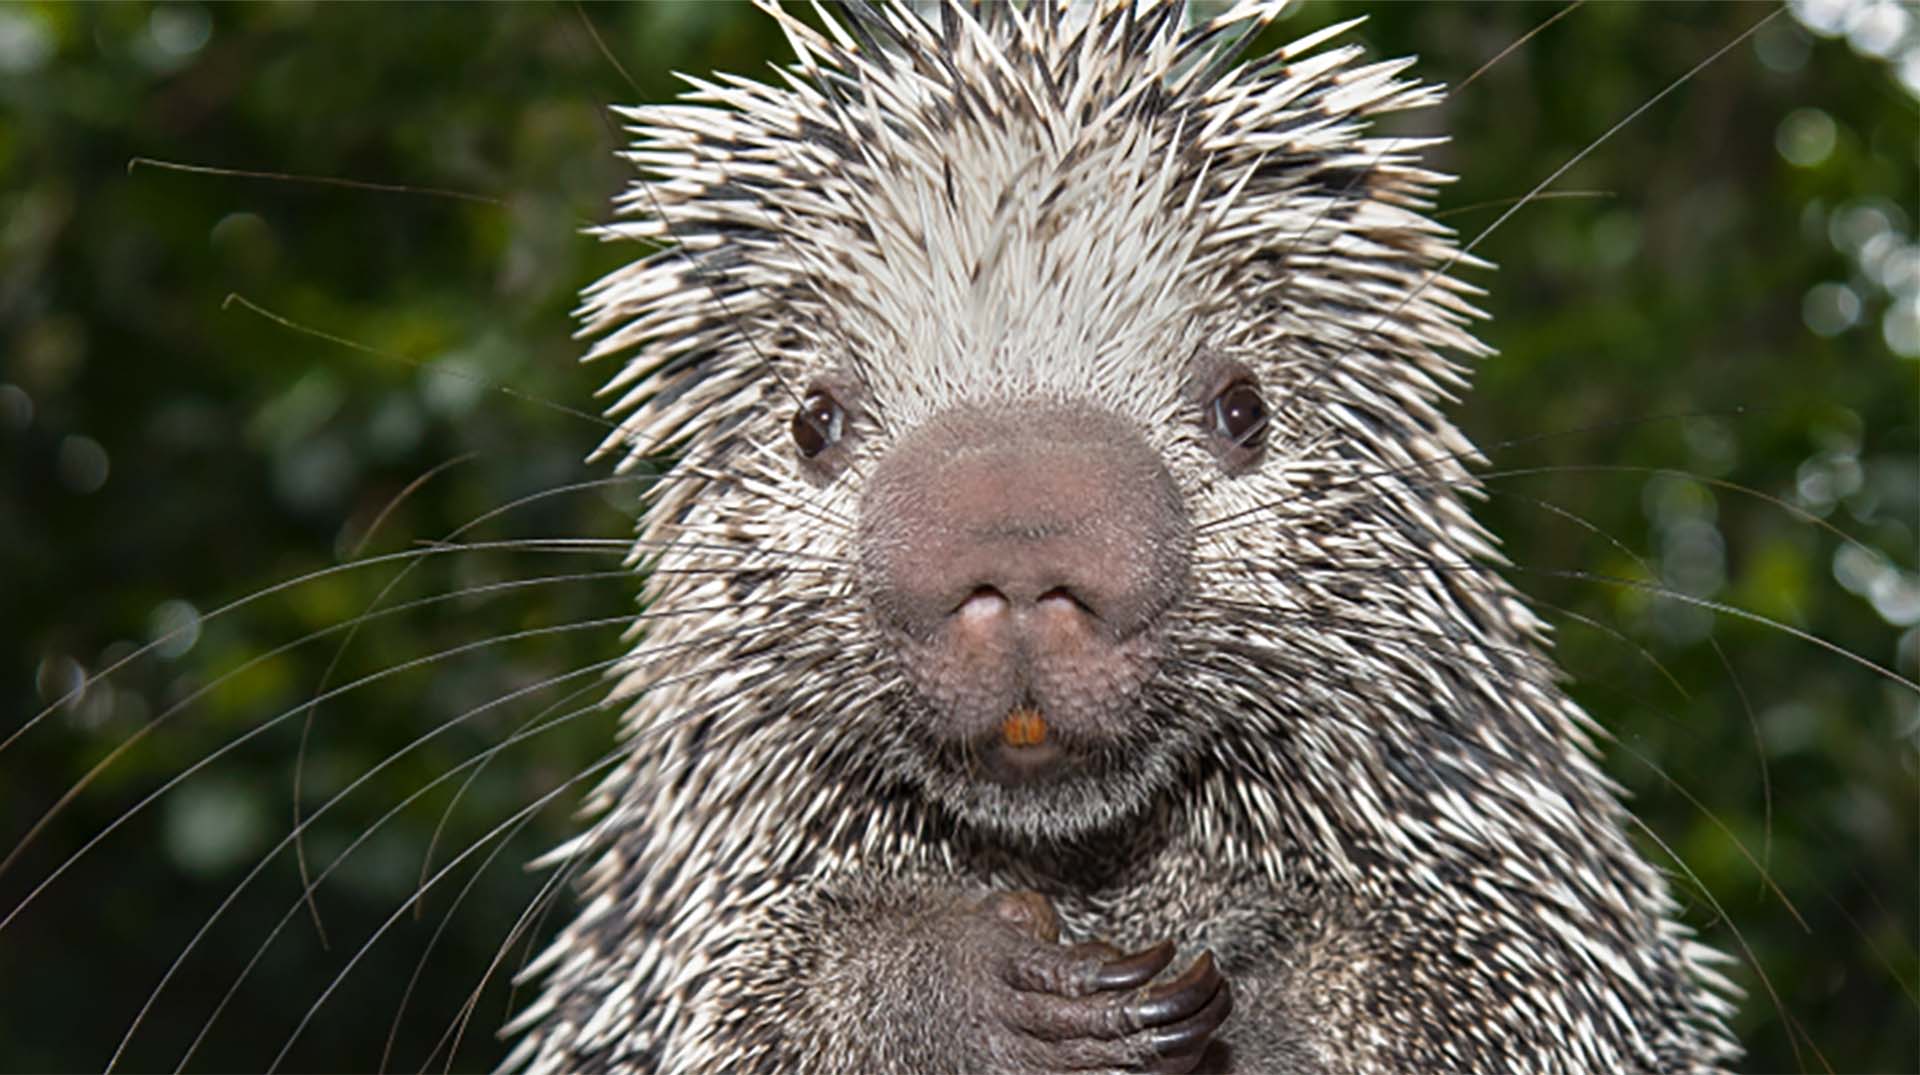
1021,558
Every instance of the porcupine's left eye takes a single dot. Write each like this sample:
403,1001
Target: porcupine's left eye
1239,415
818,424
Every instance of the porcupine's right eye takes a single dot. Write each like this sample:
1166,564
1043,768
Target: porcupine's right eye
818,424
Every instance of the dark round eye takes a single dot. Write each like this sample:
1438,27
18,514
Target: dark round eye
818,424
1239,414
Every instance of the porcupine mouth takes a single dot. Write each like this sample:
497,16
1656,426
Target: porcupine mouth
1024,749
1036,729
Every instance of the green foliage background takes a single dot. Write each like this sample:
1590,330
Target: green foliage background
239,453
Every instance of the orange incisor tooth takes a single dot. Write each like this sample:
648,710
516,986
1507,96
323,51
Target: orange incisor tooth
1024,727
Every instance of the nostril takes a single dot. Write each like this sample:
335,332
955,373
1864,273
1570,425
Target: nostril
1065,599
984,602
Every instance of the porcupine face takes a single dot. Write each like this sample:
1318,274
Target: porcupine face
1029,345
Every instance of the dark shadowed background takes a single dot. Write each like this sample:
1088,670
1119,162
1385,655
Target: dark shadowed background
1706,383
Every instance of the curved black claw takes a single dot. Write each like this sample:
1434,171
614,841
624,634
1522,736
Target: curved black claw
1136,969
1179,999
1190,1035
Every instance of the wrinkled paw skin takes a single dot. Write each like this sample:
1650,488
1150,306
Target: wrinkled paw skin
1091,1007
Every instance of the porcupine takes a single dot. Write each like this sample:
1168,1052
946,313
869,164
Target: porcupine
1103,673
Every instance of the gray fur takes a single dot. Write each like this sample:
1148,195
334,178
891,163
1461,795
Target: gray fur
1371,800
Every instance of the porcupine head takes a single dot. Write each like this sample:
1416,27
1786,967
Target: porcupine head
1064,645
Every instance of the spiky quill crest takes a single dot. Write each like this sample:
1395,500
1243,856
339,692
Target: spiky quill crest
1039,202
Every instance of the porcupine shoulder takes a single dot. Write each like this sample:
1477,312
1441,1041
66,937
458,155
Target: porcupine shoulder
1066,644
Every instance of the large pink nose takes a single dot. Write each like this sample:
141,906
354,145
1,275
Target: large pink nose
1020,556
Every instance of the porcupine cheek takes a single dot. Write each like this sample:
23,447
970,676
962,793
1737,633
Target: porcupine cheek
1021,559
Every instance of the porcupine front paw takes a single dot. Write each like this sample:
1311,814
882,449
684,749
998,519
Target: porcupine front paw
1054,1007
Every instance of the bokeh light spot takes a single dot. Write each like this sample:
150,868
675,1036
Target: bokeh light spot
1806,137
1830,309
82,464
